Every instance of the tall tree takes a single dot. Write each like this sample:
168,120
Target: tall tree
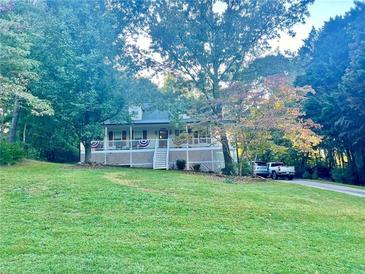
334,68
18,69
207,42
79,52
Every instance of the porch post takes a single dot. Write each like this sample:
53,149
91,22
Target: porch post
130,146
105,143
212,156
187,148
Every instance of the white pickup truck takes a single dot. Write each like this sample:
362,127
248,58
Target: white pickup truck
278,169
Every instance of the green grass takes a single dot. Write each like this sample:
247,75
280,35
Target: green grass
63,219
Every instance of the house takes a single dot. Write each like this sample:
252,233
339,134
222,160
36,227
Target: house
151,140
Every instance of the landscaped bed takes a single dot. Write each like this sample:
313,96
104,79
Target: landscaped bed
56,218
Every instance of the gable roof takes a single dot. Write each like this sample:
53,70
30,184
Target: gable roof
149,116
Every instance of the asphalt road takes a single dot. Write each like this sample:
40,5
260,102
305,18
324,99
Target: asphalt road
337,188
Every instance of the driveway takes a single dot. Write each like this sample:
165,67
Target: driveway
331,187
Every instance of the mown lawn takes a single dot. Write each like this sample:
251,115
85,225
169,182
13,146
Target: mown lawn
64,219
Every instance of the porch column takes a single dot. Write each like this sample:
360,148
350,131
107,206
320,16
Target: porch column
130,146
212,156
187,148
105,143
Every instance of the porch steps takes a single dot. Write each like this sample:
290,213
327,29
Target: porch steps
160,159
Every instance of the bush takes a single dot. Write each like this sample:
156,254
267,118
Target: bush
196,167
228,170
307,175
10,153
323,171
180,164
315,174
343,175
246,168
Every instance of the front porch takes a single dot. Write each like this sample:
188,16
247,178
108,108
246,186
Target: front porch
158,147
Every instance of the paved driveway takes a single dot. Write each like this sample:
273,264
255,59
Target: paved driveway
331,187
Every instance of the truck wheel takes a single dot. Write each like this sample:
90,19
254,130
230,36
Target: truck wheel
274,176
290,178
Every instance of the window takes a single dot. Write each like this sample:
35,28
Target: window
196,137
117,135
144,134
277,164
110,133
124,135
138,135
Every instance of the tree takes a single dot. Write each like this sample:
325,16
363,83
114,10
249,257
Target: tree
206,45
259,111
17,68
334,68
80,54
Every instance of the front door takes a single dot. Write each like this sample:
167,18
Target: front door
163,136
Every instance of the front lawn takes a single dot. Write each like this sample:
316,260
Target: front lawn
64,219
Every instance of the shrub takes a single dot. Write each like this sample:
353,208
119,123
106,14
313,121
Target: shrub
196,167
228,181
323,171
315,174
343,175
228,170
307,175
246,168
10,153
180,164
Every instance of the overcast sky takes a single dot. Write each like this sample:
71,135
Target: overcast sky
320,12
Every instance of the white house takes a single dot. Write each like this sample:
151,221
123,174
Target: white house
150,140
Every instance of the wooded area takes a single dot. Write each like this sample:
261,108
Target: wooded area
68,66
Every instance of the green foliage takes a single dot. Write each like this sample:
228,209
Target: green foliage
343,175
70,53
18,68
196,167
315,174
180,164
334,67
245,167
307,175
229,169
10,153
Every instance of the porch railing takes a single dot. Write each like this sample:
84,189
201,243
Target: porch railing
98,145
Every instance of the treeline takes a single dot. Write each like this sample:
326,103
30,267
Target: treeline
62,74
334,66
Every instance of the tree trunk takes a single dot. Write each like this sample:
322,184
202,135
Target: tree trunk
24,132
228,163
14,122
87,146
359,162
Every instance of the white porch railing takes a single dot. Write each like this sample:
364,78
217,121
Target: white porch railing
100,145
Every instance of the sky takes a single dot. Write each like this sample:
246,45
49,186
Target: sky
320,12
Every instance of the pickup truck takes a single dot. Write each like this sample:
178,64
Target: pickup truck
278,169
